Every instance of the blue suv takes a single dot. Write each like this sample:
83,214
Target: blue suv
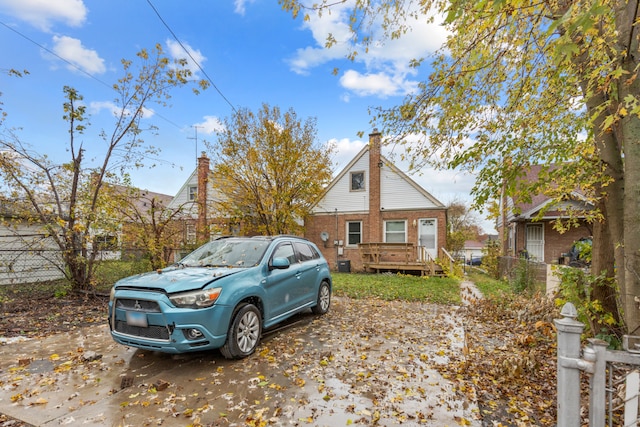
222,295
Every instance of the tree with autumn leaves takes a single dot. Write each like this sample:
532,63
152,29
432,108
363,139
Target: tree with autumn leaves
72,202
522,83
269,170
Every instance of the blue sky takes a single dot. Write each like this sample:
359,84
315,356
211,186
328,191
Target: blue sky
253,52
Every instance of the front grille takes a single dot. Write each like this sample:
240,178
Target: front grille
138,305
151,332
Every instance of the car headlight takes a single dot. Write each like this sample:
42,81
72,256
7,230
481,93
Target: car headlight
196,299
112,294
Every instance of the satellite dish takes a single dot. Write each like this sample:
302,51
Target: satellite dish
324,236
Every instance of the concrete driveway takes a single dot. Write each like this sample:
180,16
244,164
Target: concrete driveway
365,362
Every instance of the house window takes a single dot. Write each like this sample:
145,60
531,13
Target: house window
357,181
106,242
193,192
354,233
190,232
395,231
510,239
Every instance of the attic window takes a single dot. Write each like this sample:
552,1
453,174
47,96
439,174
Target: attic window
193,192
357,181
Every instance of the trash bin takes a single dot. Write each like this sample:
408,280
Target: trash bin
344,266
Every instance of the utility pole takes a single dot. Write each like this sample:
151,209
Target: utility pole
196,138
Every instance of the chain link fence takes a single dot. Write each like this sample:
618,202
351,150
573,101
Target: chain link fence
19,267
45,265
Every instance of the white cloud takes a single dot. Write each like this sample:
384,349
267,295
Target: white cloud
241,6
383,70
96,107
177,52
43,13
210,125
74,52
379,84
345,150
335,23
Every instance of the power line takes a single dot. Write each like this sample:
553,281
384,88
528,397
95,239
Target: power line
75,66
190,56
56,55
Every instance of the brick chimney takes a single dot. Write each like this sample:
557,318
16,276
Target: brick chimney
375,166
202,228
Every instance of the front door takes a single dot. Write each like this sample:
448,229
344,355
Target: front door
428,238
535,242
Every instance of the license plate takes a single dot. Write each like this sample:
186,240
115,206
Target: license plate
135,318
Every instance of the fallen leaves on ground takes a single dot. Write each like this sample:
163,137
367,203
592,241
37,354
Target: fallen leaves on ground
509,360
37,311
367,362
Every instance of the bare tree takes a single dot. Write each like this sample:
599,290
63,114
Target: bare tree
67,200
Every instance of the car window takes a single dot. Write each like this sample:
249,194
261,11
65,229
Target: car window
227,252
285,250
305,251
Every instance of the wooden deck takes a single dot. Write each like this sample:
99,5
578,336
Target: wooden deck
399,257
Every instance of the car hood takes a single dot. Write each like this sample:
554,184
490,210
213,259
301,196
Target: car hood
177,279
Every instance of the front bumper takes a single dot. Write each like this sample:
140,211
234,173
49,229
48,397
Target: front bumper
148,321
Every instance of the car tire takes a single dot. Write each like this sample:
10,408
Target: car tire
324,299
244,332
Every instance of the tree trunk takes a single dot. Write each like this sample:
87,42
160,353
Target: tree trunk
631,288
611,202
628,129
603,264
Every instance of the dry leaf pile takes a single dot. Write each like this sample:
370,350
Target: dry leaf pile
510,360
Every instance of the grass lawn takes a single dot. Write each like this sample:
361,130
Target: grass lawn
387,286
439,290
488,286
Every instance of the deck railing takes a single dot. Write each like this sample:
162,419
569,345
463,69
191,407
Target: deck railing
397,256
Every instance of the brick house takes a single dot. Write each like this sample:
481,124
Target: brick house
371,200
524,233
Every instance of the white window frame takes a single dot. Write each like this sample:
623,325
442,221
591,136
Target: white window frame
192,193
404,232
190,234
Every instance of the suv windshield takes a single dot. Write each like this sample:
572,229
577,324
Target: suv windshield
227,253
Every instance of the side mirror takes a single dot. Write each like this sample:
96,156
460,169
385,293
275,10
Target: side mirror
280,263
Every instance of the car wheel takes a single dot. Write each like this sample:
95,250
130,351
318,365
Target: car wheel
324,299
244,332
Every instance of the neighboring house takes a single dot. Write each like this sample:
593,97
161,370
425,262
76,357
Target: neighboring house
535,238
194,199
371,201
147,207
473,251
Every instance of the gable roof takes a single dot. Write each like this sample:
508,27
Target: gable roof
531,208
140,199
397,190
